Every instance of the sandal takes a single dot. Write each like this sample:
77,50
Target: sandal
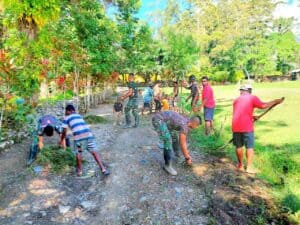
106,172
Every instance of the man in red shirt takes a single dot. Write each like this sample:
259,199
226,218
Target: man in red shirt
208,103
242,124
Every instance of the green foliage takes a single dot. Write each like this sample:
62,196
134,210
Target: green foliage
180,52
59,160
255,41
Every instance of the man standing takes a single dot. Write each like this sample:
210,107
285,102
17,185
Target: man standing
242,124
167,124
132,104
147,98
194,92
83,138
157,96
208,103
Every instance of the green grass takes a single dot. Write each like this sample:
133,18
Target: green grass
60,160
92,119
277,138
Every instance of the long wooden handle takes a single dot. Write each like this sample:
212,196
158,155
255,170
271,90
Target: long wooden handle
257,118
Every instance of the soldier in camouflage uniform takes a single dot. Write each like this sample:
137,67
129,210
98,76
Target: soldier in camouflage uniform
168,124
132,104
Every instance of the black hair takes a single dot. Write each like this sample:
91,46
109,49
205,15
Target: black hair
204,77
196,118
48,130
131,74
192,78
70,108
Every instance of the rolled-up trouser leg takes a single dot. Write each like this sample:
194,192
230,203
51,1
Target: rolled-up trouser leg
127,112
167,156
165,136
175,143
135,113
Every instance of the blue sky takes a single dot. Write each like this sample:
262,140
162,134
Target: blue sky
290,8
149,6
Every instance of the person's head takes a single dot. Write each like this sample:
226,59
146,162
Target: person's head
192,78
194,122
48,130
246,88
175,83
140,91
204,80
131,77
158,83
70,109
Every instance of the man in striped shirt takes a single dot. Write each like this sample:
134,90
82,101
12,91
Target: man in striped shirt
83,138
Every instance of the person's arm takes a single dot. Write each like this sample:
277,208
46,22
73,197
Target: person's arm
63,138
202,104
40,143
128,94
195,99
269,104
184,149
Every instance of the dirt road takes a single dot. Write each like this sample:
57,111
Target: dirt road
138,191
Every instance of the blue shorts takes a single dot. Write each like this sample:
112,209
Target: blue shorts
209,114
86,144
243,138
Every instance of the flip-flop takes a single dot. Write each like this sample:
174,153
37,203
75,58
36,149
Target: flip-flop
106,172
251,171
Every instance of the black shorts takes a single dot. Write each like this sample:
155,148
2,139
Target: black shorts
157,104
147,105
243,138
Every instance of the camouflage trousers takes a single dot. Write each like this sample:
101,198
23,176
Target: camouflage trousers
132,105
169,138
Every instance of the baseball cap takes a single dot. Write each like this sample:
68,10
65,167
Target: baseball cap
246,87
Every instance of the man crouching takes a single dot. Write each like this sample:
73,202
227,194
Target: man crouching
167,124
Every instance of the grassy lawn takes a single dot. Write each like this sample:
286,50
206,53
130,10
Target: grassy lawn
277,138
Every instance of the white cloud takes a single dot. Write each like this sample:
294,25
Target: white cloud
291,9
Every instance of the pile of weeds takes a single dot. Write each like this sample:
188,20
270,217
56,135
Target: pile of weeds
59,160
92,119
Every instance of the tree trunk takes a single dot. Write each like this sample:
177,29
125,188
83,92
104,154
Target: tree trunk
76,87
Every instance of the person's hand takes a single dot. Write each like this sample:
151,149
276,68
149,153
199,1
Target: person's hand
279,101
62,144
41,145
184,83
189,161
195,109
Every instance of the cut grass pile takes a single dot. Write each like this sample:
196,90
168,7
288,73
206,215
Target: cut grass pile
58,159
92,119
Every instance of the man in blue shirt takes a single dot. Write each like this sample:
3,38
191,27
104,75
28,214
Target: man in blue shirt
148,97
